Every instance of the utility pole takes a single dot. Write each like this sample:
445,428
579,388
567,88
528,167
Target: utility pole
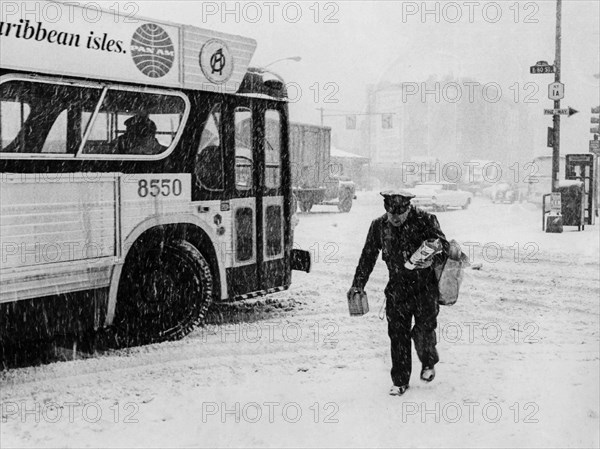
369,135
556,117
322,111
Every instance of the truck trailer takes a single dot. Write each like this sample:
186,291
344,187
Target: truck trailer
315,178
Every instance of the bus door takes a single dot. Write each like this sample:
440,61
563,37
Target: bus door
257,203
273,239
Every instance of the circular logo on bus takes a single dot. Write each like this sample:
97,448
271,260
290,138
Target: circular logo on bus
216,61
152,50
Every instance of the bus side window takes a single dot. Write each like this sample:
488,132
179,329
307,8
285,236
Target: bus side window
34,116
209,158
243,148
12,116
134,123
56,142
272,149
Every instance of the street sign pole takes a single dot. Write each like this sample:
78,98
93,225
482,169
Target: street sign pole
556,117
550,138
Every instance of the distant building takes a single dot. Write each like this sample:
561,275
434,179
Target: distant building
442,118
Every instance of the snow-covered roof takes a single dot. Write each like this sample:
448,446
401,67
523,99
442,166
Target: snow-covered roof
569,182
336,152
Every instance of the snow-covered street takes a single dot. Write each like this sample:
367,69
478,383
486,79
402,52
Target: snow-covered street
519,356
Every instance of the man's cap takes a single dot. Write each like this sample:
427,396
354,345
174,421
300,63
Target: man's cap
396,194
141,124
136,119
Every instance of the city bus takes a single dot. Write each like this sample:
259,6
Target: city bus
139,183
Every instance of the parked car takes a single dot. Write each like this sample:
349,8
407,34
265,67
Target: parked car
503,192
476,188
506,193
440,196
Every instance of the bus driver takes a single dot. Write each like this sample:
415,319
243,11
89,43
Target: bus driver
139,138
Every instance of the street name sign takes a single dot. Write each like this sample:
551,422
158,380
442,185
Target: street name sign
541,67
566,111
537,69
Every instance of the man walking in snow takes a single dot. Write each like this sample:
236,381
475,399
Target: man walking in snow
398,234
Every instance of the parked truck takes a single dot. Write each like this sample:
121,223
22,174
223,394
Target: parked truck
315,179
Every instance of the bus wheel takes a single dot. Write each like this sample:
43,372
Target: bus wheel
164,292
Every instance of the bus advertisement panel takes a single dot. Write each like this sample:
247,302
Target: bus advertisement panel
66,39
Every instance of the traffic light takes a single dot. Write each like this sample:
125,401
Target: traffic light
387,121
595,129
351,122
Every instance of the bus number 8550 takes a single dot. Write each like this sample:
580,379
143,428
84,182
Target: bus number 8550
156,187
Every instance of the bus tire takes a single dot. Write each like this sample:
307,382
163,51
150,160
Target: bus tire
164,293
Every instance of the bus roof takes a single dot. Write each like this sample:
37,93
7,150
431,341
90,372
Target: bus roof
65,39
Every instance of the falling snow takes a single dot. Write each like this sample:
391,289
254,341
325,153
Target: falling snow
519,356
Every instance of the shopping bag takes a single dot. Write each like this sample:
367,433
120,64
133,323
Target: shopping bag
450,275
358,303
